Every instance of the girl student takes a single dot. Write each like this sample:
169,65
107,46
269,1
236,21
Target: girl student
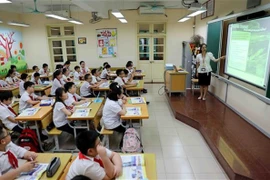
57,81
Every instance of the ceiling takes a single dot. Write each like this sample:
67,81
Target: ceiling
100,6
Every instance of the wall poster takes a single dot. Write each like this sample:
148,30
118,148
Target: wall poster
107,42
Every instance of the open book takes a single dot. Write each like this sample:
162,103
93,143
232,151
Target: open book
81,112
46,102
35,174
133,167
104,85
133,111
84,105
137,100
29,112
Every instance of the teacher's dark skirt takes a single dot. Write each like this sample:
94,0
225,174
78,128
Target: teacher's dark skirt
204,79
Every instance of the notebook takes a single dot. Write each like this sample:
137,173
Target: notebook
84,105
133,111
137,100
47,102
35,174
81,112
29,112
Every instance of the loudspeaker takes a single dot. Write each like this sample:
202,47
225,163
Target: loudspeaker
251,16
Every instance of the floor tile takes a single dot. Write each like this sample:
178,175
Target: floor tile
165,123
155,150
180,176
188,131
170,141
167,131
211,176
153,140
198,151
204,165
173,151
177,165
160,166
149,123
146,131
192,140
161,176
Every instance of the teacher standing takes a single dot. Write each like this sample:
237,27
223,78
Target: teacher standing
204,69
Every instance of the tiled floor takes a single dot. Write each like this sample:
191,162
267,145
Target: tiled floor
181,152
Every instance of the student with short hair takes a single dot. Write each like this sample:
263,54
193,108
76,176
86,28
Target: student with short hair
57,81
44,70
130,69
35,70
24,78
65,75
67,65
37,80
94,161
73,98
120,79
104,64
80,177
95,77
7,113
9,155
14,68
11,77
77,74
105,72
58,66
85,89
84,69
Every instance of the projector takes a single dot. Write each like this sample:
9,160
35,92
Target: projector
195,6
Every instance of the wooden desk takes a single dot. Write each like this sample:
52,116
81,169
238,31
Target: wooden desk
46,158
15,106
15,90
113,75
138,88
50,76
144,109
176,81
41,88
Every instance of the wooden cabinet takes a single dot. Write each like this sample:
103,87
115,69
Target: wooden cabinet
175,81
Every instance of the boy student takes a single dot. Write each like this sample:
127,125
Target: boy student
105,71
85,89
24,78
94,161
37,80
9,155
35,70
77,74
73,98
7,114
84,69
44,70
95,74
120,79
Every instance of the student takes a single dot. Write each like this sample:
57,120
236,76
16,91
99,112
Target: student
95,77
105,72
57,81
129,68
104,64
80,177
14,68
37,80
61,111
58,66
65,75
9,155
3,84
11,77
94,161
127,79
85,89
84,69
29,99
35,70
66,65
113,88
44,70
24,78
120,79
73,98
7,113
77,74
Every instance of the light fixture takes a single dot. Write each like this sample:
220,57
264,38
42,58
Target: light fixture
197,12
117,14
123,20
5,1
74,21
18,24
55,16
184,19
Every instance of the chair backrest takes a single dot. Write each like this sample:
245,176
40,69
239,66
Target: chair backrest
47,91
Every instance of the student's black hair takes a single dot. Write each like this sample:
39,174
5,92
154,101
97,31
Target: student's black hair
12,66
86,76
5,95
93,71
67,62
80,177
68,85
59,66
125,71
81,62
24,76
104,64
36,74
129,63
44,65
115,90
203,44
56,73
28,84
9,73
76,67
107,66
86,140
34,67
58,93
118,71
64,70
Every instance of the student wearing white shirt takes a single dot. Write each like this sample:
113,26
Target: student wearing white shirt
129,67
120,79
7,113
204,69
73,98
77,74
44,70
36,79
3,83
14,68
65,75
94,161
95,77
9,155
28,98
85,89
24,78
105,72
35,70
11,77
57,81
67,65
84,69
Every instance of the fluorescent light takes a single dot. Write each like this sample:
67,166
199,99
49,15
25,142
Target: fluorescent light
197,13
18,24
75,21
117,14
5,1
55,16
183,19
123,20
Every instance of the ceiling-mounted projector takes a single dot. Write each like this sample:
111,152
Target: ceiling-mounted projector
195,6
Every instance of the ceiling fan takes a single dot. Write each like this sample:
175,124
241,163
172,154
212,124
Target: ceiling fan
155,6
35,10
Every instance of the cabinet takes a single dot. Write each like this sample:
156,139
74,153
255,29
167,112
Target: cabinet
175,81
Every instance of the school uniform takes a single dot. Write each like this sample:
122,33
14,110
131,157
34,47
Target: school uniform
17,73
32,77
21,87
13,152
85,89
88,166
43,71
120,81
8,111
72,98
3,83
65,78
23,104
104,74
10,80
130,71
94,80
56,84
76,76
85,70
37,82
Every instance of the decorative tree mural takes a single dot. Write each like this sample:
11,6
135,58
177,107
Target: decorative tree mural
6,43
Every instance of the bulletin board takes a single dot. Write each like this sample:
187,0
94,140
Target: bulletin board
107,42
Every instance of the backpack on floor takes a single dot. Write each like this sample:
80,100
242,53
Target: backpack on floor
28,140
132,142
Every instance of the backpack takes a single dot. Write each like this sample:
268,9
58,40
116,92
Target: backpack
132,142
28,140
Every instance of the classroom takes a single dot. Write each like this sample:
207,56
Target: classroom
134,89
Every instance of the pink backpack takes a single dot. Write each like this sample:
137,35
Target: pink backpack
132,142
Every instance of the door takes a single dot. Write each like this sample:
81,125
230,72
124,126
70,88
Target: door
151,57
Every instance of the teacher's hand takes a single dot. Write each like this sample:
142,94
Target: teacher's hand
223,57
